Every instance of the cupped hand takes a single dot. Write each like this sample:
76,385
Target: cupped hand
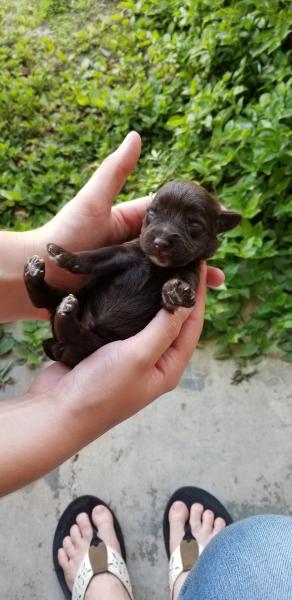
132,372
89,220
121,378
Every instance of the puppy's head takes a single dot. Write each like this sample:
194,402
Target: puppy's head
182,224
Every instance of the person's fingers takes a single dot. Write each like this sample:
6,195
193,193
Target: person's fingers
215,277
180,351
126,219
107,181
170,366
168,336
148,345
192,328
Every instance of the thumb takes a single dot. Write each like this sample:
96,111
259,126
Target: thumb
106,182
159,334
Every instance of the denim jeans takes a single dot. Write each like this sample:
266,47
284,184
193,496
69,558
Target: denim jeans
249,560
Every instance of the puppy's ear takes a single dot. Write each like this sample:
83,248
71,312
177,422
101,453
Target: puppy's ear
227,219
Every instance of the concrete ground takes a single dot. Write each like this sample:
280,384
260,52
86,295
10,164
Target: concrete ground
235,441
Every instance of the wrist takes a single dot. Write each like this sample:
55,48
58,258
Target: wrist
89,413
15,248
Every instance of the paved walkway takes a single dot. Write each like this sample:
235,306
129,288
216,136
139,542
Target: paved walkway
233,440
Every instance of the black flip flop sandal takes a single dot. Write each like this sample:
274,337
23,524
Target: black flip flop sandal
186,554
99,559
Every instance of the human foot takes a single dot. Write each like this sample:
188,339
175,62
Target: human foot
75,546
202,525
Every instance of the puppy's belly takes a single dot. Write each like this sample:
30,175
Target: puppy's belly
116,311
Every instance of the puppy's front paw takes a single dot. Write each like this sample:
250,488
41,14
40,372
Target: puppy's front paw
56,253
68,306
62,258
34,269
176,292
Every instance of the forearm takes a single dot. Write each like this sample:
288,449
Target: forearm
38,433
15,248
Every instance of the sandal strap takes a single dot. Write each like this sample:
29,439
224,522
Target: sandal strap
100,559
183,559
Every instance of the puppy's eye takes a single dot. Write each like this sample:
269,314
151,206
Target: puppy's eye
194,226
150,213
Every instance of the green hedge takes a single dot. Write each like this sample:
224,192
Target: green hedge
207,83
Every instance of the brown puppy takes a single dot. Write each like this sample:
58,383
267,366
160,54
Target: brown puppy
128,283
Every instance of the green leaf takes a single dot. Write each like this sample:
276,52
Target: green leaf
208,87
6,344
288,356
246,350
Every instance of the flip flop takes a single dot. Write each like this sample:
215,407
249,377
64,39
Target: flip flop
100,558
186,554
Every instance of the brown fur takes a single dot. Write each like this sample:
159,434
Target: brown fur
129,282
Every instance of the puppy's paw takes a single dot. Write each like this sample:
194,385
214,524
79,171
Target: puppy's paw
53,349
176,292
56,253
68,306
62,258
34,269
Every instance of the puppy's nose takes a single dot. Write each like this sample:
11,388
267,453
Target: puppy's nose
160,244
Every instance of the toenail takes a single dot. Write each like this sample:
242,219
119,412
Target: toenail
220,521
81,516
99,510
208,513
177,506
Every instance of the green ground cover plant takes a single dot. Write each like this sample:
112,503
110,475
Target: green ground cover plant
207,84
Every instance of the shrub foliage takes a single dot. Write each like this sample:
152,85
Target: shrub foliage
207,83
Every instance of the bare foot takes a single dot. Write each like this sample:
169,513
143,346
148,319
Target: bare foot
203,526
75,546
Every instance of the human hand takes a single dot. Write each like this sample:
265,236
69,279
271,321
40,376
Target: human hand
86,222
89,221
64,410
130,373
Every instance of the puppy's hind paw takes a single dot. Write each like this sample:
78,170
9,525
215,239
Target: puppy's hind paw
53,349
68,306
34,268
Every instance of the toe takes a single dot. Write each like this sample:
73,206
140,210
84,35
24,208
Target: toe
103,520
196,518
66,565
63,559
219,524
68,546
102,517
75,535
177,516
208,521
178,512
85,526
